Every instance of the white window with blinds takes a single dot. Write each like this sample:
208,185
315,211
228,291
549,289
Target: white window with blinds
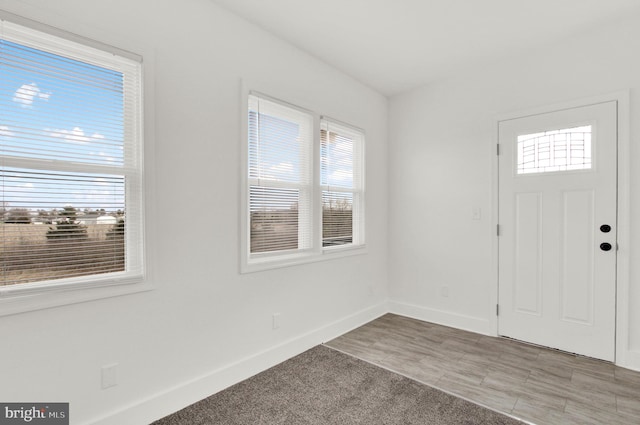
70,163
304,191
342,184
280,178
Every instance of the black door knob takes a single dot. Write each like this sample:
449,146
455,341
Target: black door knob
605,228
605,246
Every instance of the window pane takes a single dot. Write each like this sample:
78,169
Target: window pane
337,218
341,181
56,108
278,153
59,225
336,168
274,219
557,150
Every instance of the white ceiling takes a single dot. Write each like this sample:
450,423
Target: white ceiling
397,45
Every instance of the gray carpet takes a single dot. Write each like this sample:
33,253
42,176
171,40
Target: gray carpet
325,387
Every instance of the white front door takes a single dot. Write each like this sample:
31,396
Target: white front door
557,231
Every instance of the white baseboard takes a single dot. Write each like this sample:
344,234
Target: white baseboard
173,399
631,360
459,321
159,405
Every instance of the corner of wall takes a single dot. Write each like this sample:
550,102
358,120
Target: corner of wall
445,318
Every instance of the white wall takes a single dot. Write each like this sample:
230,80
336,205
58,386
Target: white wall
204,325
442,149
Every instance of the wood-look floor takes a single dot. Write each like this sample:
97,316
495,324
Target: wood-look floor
538,385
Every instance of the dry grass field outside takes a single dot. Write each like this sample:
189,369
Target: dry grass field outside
277,230
26,255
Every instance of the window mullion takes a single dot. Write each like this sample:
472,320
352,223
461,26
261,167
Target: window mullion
317,189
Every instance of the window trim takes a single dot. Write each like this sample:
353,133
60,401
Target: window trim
50,293
317,252
68,36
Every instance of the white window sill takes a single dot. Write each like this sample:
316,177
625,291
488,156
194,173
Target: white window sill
288,260
14,301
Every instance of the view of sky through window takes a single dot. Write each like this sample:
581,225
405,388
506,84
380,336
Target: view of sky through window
337,160
55,108
277,156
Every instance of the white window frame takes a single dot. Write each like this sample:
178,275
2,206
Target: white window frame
315,251
304,179
43,294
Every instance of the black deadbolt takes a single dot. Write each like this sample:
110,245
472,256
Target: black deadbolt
605,246
605,228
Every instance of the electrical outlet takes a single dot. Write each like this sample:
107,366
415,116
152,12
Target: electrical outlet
444,291
109,375
476,213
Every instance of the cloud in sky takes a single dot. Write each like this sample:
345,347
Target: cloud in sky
343,175
76,135
4,131
29,93
92,147
282,168
108,158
